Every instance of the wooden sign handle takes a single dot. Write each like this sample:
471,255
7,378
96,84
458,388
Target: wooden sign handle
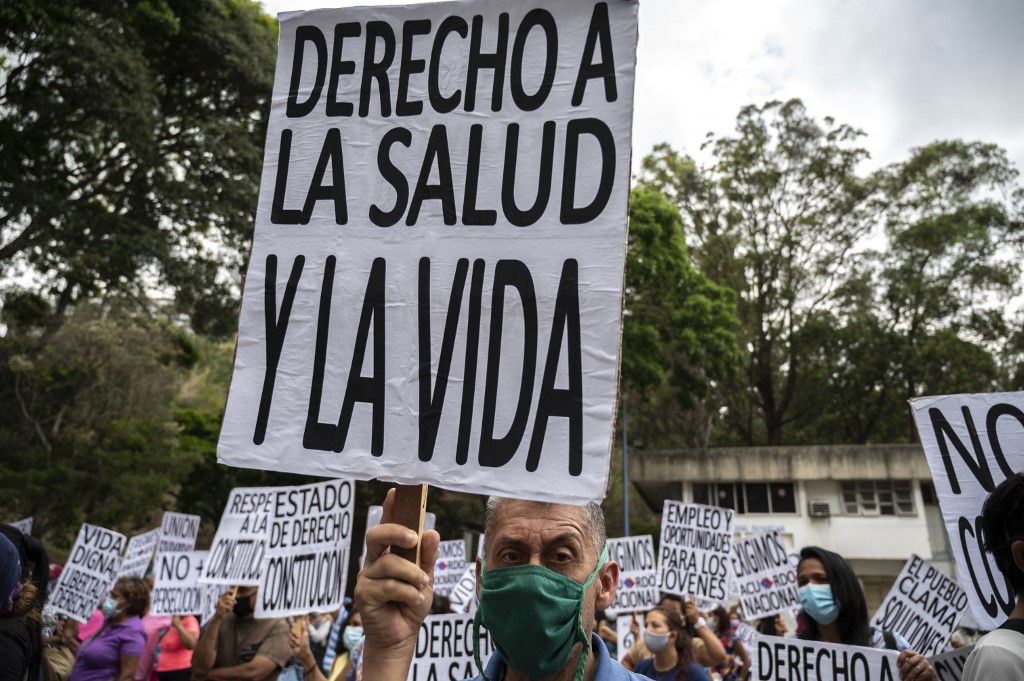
409,511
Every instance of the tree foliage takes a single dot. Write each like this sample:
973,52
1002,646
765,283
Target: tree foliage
132,136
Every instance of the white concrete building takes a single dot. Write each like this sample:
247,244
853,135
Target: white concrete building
873,504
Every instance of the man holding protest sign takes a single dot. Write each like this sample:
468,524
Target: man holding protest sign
237,647
533,551
1000,654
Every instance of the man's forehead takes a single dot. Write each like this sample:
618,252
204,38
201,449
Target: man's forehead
516,518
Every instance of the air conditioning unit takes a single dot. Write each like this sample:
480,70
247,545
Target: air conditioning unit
818,508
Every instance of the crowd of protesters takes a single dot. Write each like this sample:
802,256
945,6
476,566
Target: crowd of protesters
677,642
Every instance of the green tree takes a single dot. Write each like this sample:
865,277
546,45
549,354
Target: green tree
132,138
678,335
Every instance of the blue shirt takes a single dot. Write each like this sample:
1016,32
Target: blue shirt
605,668
693,673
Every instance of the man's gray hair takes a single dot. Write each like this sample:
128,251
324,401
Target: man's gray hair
593,521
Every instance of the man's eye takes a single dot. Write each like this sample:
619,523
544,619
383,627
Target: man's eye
509,556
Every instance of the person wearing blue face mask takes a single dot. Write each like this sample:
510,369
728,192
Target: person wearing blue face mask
837,612
541,579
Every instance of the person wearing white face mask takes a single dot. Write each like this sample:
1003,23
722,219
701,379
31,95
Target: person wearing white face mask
837,612
666,637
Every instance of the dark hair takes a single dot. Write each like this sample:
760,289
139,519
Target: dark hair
854,629
135,592
766,625
35,564
723,625
684,644
673,598
1002,522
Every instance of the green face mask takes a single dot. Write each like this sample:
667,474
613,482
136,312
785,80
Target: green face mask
534,616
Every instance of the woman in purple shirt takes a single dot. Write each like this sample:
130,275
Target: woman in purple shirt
112,653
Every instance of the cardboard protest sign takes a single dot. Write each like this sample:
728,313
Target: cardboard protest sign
623,629
763,576
138,554
306,563
463,594
973,443
950,666
444,194
786,658
444,648
638,579
923,606
695,551
450,565
24,526
89,573
178,532
240,544
176,587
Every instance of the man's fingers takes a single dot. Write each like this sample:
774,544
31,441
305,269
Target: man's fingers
429,544
379,538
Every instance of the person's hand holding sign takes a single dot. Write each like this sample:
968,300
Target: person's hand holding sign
394,595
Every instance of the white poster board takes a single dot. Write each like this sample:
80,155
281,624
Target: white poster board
240,544
775,658
138,554
695,550
973,443
638,578
450,565
950,666
88,574
924,606
24,526
178,532
623,630
463,594
444,648
306,563
763,577
426,241
211,596
176,587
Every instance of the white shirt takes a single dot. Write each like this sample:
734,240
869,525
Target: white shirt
998,655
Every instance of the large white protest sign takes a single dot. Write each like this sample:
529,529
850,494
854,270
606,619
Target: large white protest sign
638,579
88,574
973,443
923,606
306,563
24,526
450,565
178,532
763,576
444,648
624,633
950,666
435,287
240,544
695,551
775,658
463,594
176,587
138,554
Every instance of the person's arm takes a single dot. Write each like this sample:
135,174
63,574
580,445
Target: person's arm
741,650
394,596
300,648
129,663
914,667
259,667
205,652
185,633
712,653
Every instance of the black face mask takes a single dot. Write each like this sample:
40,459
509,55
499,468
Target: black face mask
243,607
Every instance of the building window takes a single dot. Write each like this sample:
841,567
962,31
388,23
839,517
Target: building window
747,497
878,497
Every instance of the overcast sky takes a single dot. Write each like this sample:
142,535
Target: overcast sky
907,72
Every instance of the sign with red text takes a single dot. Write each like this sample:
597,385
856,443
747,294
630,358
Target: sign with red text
435,287
450,566
973,443
763,576
924,606
695,550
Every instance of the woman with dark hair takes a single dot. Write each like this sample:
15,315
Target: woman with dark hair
20,645
666,637
836,611
112,653
720,623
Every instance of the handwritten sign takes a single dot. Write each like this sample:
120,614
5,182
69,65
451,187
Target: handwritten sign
638,578
763,576
785,658
139,554
178,532
450,565
240,544
444,648
444,195
176,587
695,552
88,574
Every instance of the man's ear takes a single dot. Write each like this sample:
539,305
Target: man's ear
1017,550
607,584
